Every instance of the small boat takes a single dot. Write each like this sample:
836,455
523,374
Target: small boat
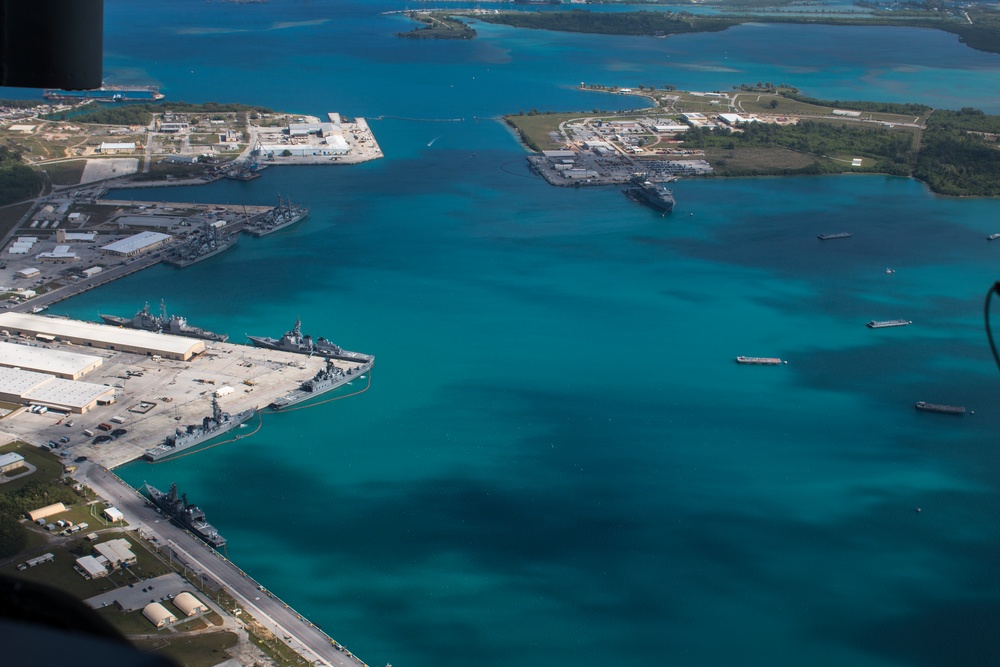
889,270
993,237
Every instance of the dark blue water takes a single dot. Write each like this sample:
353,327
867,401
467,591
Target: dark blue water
558,462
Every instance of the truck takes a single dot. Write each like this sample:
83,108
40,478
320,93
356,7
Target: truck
118,420
104,426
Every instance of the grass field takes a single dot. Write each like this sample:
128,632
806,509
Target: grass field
50,466
201,650
65,173
11,214
723,160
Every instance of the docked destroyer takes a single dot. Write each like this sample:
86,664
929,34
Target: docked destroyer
285,214
654,194
295,341
200,245
194,434
325,380
174,324
189,516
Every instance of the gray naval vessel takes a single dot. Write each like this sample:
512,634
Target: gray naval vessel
295,341
188,516
653,194
200,245
174,324
285,214
194,434
325,380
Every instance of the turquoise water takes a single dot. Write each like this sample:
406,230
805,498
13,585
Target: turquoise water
558,461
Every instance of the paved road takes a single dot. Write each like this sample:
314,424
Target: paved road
203,561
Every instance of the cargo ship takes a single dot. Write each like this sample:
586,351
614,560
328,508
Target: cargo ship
174,324
656,195
295,341
944,409
325,380
187,516
881,324
107,94
217,424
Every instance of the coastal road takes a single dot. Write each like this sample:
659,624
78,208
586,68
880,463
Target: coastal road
204,562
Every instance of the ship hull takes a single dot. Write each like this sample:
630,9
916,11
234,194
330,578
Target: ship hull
643,196
202,529
192,440
264,231
180,263
191,332
300,395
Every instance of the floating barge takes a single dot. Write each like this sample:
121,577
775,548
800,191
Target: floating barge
839,235
882,324
943,409
760,361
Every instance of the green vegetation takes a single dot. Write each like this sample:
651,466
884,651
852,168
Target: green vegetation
982,34
11,214
437,25
65,173
18,181
611,23
201,650
142,114
959,153
891,151
902,109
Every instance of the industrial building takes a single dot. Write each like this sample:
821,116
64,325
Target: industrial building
10,461
137,243
102,336
66,365
90,567
158,615
117,552
28,387
113,514
189,605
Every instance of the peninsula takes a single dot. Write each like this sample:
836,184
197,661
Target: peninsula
976,25
763,129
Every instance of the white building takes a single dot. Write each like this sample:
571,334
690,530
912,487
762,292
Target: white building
91,567
114,148
135,244
67,365
10,461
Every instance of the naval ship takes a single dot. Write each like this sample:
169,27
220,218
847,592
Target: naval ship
285,214
174,324
294,341
325,380
194,434
656,195
188,516
200,245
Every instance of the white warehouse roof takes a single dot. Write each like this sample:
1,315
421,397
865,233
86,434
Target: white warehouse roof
136,242
102,335
69,365
68,394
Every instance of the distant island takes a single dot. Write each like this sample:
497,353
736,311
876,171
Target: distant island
767,129
977,26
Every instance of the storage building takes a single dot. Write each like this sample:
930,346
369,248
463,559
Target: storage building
158,615
67,365
103,336
90,567
114,514
30,272
21,386
10,461
135,244
189,604
46,511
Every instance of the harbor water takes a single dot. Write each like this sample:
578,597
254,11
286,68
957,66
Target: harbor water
559,460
